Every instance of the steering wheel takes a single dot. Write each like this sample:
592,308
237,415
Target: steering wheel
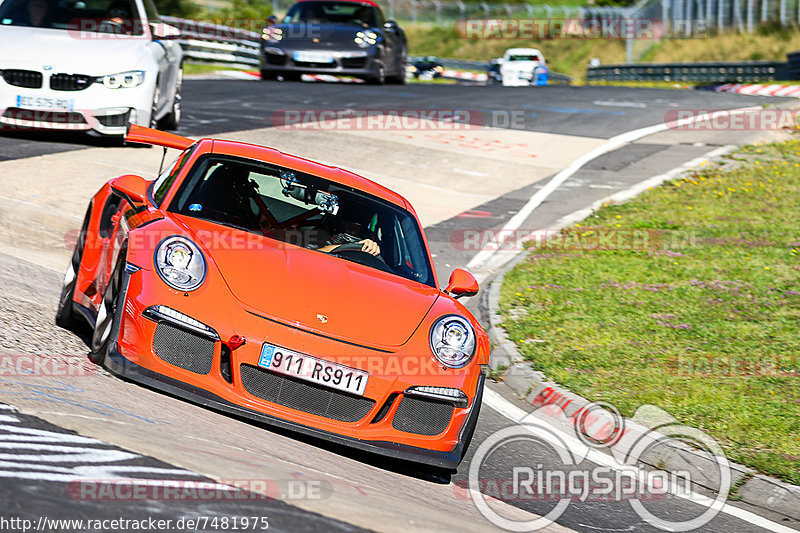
352,251
112,25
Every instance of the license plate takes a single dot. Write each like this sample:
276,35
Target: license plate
312,369
313,57
43,102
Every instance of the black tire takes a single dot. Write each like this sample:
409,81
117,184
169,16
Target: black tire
379,77
400,77
65,314
172,120
291,76
154,109
107,315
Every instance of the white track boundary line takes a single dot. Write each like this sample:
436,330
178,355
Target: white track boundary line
501,257
482,258
515,414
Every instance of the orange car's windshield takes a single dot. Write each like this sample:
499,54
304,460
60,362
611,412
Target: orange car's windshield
303,210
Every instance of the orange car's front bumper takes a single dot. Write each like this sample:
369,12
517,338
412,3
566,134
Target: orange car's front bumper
203,368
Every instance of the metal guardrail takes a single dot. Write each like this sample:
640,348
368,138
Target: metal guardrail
743,71
202,41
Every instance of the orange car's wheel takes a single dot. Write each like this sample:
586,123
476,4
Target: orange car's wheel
65,315
107,314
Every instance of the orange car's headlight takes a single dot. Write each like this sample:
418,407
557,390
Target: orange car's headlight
452,341
180,263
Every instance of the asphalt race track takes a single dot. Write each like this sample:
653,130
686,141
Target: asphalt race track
477,180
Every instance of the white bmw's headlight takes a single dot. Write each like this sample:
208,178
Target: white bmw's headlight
180,263
365,38
452,341
123,80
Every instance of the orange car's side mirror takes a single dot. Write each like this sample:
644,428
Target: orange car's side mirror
461,283
130,187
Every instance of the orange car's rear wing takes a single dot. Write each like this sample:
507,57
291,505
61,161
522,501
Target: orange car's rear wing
140,134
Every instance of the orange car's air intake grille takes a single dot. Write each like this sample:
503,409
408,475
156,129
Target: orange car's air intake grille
183,349
303,396
423,417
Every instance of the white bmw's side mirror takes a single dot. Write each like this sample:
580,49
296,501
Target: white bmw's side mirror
162,31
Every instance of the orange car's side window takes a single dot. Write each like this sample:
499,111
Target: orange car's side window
164,184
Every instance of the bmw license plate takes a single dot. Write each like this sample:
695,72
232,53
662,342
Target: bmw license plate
309,368
41,102
313,57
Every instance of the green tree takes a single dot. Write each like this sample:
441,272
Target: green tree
179,8
248,9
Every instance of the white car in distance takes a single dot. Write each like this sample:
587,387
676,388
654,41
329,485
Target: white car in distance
88,65
523,67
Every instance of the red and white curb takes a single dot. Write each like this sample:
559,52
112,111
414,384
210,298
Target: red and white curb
255,75
760,90
330,78
462,75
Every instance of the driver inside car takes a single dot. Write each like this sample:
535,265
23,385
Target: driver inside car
231,193
118,12
351,233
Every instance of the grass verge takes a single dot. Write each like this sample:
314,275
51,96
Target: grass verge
691,304
208,68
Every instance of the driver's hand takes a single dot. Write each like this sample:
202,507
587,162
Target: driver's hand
370,246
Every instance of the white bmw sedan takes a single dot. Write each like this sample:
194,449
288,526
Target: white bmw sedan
89,65
523,67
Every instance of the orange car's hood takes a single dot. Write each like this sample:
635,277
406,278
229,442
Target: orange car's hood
354,302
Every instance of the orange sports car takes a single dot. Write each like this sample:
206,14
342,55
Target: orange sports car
272,287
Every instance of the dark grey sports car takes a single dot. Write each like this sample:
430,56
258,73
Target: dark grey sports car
340,37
